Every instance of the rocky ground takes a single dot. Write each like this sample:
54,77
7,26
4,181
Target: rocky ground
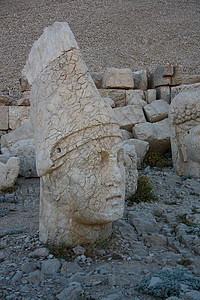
111,33
154,252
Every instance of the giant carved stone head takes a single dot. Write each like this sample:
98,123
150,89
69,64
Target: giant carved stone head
79,152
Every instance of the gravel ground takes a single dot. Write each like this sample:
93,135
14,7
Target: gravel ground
119,33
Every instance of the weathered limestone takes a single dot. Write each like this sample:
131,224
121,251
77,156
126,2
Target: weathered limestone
137,102
141,148
184,88
166,76
185,133
156,134
118,96
5,100
190,79
9,173
20,143
3,117
18,116
118,78
79,151
128,116
140,80
156,110
164,93
130,159
97,77
150,95
130,94
126,134
109,101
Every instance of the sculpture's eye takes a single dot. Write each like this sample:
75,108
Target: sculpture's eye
104,156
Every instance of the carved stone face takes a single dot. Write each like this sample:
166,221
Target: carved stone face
193,143
92,177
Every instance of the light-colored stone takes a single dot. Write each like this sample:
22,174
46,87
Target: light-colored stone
150,95
109,101
72,293
140,80
184,88
128,116
79,150
118,96
156,134
51,266
3,117
118,78
164,93
5,100
97,77
162,76
185,133
143,223
130,94
177,76
190,79
137,102
9,173
18,116
126,134
130,158
141,148
156,110
20,143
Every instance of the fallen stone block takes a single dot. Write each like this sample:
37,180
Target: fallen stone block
141,148
18,116
128,116
130,94
156,134
137,102
162,76
9,173
20,143
126,134
150,95
156,110
177,76
140,80
164,93
118,96
118,78
3,117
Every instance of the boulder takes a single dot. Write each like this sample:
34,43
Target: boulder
130,94
137,102
156,110
128,116
141,148
164,93
126,134
118,96
20,143
118,78
156,134
140,80
9,172
150,95
161,76
18,116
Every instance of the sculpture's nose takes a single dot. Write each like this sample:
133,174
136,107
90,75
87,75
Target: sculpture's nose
113,174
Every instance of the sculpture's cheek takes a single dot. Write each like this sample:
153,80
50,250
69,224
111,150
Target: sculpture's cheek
193,144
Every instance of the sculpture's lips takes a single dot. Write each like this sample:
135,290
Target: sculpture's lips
114,199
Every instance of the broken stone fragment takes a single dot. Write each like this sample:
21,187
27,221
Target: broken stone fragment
9,173
118,78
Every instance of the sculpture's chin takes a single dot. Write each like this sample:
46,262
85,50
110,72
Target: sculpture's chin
102,218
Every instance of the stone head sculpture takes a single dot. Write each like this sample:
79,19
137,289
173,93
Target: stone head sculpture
79,152
185,133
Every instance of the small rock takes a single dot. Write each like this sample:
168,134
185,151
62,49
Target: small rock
18,275
79,250
51,266
154,281
41,252
72,293
35,276
192,295
28,267
70,267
